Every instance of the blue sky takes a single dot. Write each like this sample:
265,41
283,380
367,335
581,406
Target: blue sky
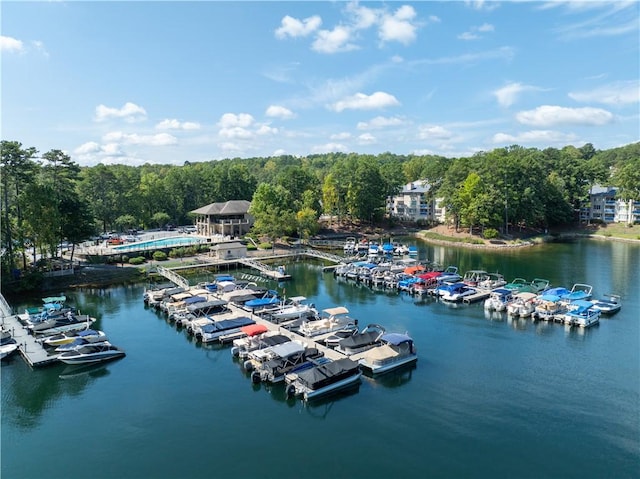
169,82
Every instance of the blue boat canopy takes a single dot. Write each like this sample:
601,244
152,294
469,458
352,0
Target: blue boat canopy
194,299
550,297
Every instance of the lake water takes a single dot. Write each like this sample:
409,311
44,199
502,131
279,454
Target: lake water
489,397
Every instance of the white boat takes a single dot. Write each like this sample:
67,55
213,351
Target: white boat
395,351
456,292
492,281
323,379
257,357
223,327
350,246
284,359
253,341
474,276
549,306
582,313
293,308
8,345
331,320
608,304
523,304
92,353
498,299
87,336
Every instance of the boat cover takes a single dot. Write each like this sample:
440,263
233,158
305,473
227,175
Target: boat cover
580,306
225,324
172,291
359,340
254,329
287,349
194,299
335,311
552,298
558,292
88,332
396,338
273,340
206,305
380,353
328,373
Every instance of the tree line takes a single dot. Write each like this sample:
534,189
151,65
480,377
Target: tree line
48,198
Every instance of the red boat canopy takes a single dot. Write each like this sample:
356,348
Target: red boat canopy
253,329
430,275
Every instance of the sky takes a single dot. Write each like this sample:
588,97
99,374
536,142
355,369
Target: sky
169,82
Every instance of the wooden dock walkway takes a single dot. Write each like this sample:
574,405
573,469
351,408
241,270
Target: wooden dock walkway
29,346
478,296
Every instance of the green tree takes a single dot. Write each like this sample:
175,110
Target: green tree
160,219
271,208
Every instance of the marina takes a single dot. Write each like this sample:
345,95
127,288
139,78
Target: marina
483,382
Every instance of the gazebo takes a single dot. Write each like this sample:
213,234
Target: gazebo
230,218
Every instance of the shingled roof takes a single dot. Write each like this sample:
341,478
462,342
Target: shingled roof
233,207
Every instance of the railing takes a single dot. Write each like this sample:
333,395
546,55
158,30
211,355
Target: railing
172,276
5,309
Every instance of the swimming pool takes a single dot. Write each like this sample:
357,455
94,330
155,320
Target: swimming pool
161,243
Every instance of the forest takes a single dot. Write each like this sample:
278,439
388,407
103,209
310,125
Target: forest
47,198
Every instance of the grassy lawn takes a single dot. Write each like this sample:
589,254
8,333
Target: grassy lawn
617,230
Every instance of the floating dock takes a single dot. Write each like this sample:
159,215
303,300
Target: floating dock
30,346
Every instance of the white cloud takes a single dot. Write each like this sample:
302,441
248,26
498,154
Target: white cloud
367,139
86,148
235,132
360,101
468,36
534,136
508,94
266,130
130,112
472,34
173,124
434,132
340,136
333,41
482,5
399,26
329,148
229,120
276,111
292,27
362,17
159,139
551,115
279,152
379,122
617,93
11,45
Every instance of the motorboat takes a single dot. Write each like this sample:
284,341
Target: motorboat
331,320
517,285
582,313
257,357
293,308
252,342
8,345
395,351
608,304
456,292
92,353
85,336
323,379
368,338
579,291
491,282
523,304
286,358
267,300
80,342
65,338
498,299
349,247
201,310
213,331
548,305
449,275
65,323
474,277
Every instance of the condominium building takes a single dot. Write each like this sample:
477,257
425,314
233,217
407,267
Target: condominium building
413,203
603,205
